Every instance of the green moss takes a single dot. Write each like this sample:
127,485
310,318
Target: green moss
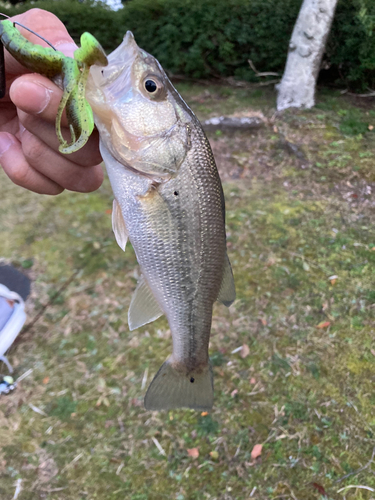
304,391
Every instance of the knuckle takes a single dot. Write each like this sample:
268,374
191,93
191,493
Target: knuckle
20,174
96,180
37,15
87,180
33,148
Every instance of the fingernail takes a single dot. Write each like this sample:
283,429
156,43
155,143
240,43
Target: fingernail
66,48
5,143
40,94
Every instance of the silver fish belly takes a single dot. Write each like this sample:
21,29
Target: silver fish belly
173,213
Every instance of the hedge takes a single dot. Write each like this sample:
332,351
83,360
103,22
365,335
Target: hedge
215,38
95,17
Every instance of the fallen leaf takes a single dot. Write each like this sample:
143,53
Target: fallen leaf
245,351
204,413
324,324
120,284
193,452
136,402
320,488
47,466
257,451
45,380
263,321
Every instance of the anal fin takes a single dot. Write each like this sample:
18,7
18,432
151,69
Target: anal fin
227,294
143,306
118,225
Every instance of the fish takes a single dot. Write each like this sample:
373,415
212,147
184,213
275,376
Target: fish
169,202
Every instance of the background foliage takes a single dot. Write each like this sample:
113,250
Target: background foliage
215,38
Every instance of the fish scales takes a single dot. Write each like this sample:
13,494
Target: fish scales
170,204
181,254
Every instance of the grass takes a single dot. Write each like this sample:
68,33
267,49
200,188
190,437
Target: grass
302,244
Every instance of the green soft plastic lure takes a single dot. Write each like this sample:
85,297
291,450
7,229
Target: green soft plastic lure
70,74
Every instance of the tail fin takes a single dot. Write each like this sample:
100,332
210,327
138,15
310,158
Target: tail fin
173,389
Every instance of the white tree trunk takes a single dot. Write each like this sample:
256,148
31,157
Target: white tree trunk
306,48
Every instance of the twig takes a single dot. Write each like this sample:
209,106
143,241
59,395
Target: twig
359,486
158,446
18,489
237,452
52,490
257,73
268,82
358,470
144,379
119,468
371,94
38,410
24,375
72,462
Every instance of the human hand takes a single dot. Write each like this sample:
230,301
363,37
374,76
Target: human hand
28,143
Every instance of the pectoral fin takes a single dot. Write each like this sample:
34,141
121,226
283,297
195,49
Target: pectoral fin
118,225
143,307
227,294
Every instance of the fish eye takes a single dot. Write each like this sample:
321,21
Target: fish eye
151,86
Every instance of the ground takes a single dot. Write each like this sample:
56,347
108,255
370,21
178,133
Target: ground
293,357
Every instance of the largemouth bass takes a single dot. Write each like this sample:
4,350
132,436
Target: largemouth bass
169,203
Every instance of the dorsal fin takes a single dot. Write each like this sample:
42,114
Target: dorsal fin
118,225
227,294
143,306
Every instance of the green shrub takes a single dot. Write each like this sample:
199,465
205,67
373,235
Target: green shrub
351,45
215,38
95,17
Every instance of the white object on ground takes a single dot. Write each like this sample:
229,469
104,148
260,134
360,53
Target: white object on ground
11,322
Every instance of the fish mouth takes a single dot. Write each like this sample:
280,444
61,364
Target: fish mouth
125,53
119,66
